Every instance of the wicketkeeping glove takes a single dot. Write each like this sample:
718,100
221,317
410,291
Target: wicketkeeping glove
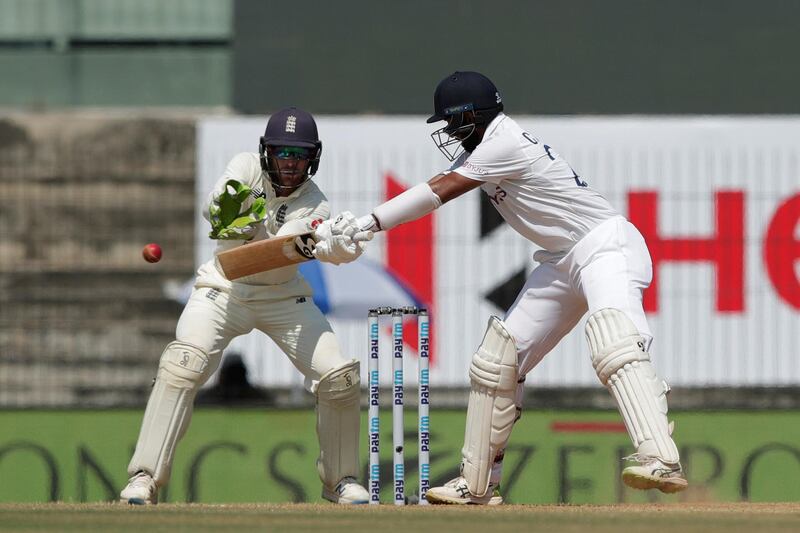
228,219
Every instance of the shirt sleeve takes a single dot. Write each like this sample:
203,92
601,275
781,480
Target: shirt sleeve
494,160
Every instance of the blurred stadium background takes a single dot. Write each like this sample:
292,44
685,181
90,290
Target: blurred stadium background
117,115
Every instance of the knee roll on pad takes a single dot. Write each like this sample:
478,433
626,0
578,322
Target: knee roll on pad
338,423
492,409
183,364
182,369
614,342
341,384
623,366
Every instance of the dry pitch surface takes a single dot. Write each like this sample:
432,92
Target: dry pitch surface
705,518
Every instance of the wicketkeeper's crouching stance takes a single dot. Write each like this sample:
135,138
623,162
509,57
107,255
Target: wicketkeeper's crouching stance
259,196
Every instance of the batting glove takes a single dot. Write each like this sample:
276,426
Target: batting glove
341,240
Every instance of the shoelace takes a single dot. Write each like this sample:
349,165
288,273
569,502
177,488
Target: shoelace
644,459
345,481
460,481
648,460
140,480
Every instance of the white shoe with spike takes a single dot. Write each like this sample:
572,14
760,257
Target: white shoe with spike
652,473
456,492
140,490
348,492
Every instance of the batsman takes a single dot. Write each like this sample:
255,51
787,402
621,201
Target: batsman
591,260
260,195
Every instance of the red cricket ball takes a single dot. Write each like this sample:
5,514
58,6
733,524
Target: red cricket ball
152,253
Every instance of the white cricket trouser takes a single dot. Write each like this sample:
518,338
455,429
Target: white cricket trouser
609,267
212,317
286,313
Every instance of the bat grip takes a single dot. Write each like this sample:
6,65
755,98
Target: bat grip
363,236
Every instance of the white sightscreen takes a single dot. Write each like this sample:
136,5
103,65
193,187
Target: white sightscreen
686,161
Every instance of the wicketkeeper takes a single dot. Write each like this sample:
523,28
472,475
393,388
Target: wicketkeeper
260,195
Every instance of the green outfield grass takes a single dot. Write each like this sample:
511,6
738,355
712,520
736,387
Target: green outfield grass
705,518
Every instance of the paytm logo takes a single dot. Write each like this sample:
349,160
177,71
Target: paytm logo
423,376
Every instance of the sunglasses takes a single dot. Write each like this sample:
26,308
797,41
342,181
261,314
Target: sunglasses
291,152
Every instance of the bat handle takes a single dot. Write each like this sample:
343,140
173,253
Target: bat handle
363,236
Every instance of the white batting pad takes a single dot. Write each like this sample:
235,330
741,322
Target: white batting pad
492,409
623,366
338,423
182,370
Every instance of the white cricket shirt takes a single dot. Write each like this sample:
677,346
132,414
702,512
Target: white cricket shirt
306,203
532,187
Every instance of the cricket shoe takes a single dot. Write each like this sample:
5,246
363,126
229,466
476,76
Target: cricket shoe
456,492
140,490
654,474
347,492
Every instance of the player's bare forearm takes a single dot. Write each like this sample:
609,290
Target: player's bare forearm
449,185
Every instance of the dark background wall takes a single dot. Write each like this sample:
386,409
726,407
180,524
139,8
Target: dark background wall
114,53
580,56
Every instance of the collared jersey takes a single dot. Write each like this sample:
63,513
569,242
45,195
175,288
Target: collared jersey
532,187
307,203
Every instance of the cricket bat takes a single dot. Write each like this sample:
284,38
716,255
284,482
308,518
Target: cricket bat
267,254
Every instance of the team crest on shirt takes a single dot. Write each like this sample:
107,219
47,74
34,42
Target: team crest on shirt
280,216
